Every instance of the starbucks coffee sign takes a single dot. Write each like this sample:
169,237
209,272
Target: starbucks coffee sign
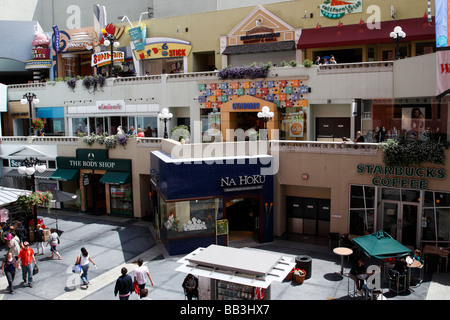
401,177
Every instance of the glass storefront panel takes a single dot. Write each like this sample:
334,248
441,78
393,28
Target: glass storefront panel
188,218
121,199
405,119
79,126
390,194
362,217
428,225
145,122
443,224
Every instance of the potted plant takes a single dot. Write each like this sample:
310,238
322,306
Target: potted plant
299,275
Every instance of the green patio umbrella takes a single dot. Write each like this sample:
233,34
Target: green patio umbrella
380,245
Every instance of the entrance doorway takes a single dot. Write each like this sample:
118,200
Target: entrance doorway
96,194
400,221
243,215
332,129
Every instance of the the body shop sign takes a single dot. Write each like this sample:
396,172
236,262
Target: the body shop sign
104,58
336,9
401,177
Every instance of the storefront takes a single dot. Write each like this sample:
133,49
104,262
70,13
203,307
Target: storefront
104,184
260,37
161,55
358,194
235,105
191,195
234,274
107,116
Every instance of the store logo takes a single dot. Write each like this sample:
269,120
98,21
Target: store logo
335,9
445,68
91,156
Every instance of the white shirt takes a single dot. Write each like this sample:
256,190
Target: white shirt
84,260
140,273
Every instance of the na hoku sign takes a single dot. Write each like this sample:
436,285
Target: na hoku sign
401,177
336,9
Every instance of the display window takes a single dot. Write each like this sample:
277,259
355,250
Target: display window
293,124
188,218
121,199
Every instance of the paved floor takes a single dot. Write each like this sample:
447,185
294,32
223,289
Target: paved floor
114,242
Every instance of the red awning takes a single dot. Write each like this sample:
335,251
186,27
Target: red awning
416,30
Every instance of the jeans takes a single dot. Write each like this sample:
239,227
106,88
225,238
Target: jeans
40,245
10,277
84,274
27,273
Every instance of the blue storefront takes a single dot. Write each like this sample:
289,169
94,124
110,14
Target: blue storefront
190,197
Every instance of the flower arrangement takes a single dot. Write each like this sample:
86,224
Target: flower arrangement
90,139
72,83
100,138
405,153
28,201
122,139
299,272
88,82
253,72
110,142
38,124
171,223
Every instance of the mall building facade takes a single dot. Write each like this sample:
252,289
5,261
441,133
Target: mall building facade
302,180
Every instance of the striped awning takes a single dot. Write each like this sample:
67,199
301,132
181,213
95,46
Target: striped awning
14,173
10,195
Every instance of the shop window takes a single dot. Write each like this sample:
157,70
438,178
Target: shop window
79,126
121,199
436,218
362,210
144,122
6,162
410,195
293,124
390,194
190,218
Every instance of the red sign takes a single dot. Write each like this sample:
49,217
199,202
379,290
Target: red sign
40,53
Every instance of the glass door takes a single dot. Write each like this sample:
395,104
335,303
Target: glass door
390,218
400,221
408,231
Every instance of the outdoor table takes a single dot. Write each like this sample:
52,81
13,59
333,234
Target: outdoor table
437,251
414,264
342,251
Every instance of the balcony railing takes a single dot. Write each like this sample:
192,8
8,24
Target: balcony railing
324,147
360,67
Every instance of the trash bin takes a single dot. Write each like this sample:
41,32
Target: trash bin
305,263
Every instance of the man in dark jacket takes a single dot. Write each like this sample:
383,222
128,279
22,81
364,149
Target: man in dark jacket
124,285
190,286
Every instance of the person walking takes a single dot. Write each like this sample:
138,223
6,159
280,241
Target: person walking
139,275
124,285
39,237
83,260
53,241
9,266
13,244
26,258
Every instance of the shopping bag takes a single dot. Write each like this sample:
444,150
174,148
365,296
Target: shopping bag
136,288
35,269
76,268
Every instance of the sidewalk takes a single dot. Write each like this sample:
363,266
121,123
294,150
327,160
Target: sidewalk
114,242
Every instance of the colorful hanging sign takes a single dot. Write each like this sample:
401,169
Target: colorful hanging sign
104,58
336,9
138,36
296,124
442,15
163,50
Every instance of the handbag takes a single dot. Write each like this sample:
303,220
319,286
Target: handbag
35,269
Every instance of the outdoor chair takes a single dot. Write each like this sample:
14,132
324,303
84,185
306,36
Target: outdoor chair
397,282
351,288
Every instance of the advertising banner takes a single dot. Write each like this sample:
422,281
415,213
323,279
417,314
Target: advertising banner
296,123
442,8
57,38
138,37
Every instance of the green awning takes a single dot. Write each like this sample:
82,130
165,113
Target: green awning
380,245
66,174
116,177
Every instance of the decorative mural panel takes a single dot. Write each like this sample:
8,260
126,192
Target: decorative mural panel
284,93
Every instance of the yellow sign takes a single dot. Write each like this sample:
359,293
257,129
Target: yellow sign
103,58
163,50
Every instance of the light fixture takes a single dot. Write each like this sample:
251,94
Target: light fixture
165,116
355,108
30,98
397,35
265,115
